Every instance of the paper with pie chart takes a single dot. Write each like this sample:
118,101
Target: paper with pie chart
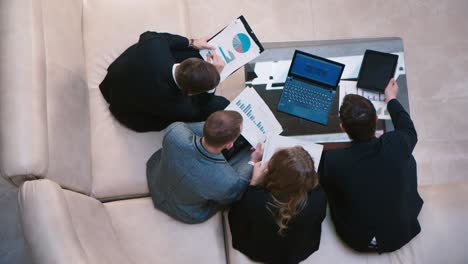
236,44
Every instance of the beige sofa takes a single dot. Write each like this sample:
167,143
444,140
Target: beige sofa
84,198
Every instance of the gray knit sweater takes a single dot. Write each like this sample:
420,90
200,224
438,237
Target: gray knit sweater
189,183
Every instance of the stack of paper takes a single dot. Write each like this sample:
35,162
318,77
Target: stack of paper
276,142
377,99
259,121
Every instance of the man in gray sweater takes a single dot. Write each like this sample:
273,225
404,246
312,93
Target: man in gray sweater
189,179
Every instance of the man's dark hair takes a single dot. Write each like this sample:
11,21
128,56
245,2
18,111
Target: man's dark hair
358,117
222,127
195,76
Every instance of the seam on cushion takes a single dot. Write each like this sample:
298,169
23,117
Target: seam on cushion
74,226
86,82
225,237
44,48
115,233
112,225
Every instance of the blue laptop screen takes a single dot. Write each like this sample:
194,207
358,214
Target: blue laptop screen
316,69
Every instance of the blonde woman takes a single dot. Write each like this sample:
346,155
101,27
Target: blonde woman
278,219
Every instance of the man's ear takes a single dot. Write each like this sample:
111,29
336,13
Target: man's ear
229,145
341,127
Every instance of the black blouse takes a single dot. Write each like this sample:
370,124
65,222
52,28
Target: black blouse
254,231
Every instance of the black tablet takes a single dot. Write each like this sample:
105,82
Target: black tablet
377,69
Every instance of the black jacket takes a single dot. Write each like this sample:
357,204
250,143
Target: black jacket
372,187
254,231
140,88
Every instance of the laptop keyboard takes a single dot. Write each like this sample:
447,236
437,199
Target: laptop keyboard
301,94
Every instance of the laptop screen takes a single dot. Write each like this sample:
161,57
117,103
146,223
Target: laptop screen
316,69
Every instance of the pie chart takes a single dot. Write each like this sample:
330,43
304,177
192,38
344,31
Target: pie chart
241,43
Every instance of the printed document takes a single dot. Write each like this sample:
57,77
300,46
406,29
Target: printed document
259,121
236,44
276,142
377,99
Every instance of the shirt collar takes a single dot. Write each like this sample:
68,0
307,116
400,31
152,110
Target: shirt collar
201,149
173,73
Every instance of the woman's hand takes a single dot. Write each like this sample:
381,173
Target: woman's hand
259,172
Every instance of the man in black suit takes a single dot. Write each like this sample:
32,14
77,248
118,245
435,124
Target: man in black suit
372,185
162,79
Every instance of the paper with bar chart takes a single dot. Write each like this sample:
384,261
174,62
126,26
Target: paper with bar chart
235,46
377,99
259,121
276,142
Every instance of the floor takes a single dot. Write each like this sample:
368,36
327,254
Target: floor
435,35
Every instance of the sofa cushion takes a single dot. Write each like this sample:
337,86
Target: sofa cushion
109,27
150,236
62,226
68,122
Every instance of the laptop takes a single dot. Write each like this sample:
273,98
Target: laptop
310,87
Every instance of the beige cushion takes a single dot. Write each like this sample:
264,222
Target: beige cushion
68,124
151,236
23,119
66,227
44,111
62,226
118,154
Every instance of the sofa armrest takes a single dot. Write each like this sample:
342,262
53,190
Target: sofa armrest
23,110
62,226
47,224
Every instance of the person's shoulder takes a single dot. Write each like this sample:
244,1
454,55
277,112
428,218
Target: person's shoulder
254,197
147,35
389,138
176,131
334,154
317,195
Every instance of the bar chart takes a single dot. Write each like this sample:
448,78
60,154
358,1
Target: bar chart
227,58
247,110
259,121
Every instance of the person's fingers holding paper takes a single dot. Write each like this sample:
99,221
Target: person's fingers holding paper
258,173
202,43
217,61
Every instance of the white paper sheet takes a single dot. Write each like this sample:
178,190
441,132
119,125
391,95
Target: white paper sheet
259,121
235,46
271,72
276,142
377,99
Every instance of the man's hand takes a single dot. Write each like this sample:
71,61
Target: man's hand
202,43
391,91
216,60
259,171
256,156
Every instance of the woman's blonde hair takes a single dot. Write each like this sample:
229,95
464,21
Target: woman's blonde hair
289,177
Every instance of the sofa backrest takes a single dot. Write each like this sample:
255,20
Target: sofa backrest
44,110
55,122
